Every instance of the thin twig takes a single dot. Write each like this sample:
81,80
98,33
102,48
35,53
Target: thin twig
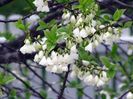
64,84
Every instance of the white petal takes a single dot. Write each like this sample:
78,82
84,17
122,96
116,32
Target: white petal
73,49
73,19
76,32
27,49
100,83
79,22
40,54
73,74
54,69
43,61
83,33
93,30
86,63
129,95
89,47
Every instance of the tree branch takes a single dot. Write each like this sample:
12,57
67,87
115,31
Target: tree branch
18,78
64,84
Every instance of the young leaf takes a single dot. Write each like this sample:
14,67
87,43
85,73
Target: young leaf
128,24
111,73
105,61
6,78
62,1
85,55
75,84
114,50
118,13
43,93
20,25
42,25
52,35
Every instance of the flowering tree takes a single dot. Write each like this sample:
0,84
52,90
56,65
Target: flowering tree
64,41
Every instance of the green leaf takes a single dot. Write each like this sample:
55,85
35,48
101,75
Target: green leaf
80,92
62,1
28,84
114,50
75,84
52,38
84,55
50,46
27,95
128,24
105,61
52,35
85,5
8,36
12,94
6,78
63,33
111,73
42,25
118,13
111,70
103,96
52,23
107,18
44,93
20,25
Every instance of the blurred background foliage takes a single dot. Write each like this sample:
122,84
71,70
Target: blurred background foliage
22,7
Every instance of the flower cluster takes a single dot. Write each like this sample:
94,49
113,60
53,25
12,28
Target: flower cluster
89,74
56,62
29,47
41,5
86,27
87,31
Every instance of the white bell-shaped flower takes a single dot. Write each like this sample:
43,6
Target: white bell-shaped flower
73,19
89,80
129,95
38,56
43,61
66,16
27,48
89,47
86,63
96,79
44,47
76,32
83,33
102,26
100,83
79,22
41,5
92,30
